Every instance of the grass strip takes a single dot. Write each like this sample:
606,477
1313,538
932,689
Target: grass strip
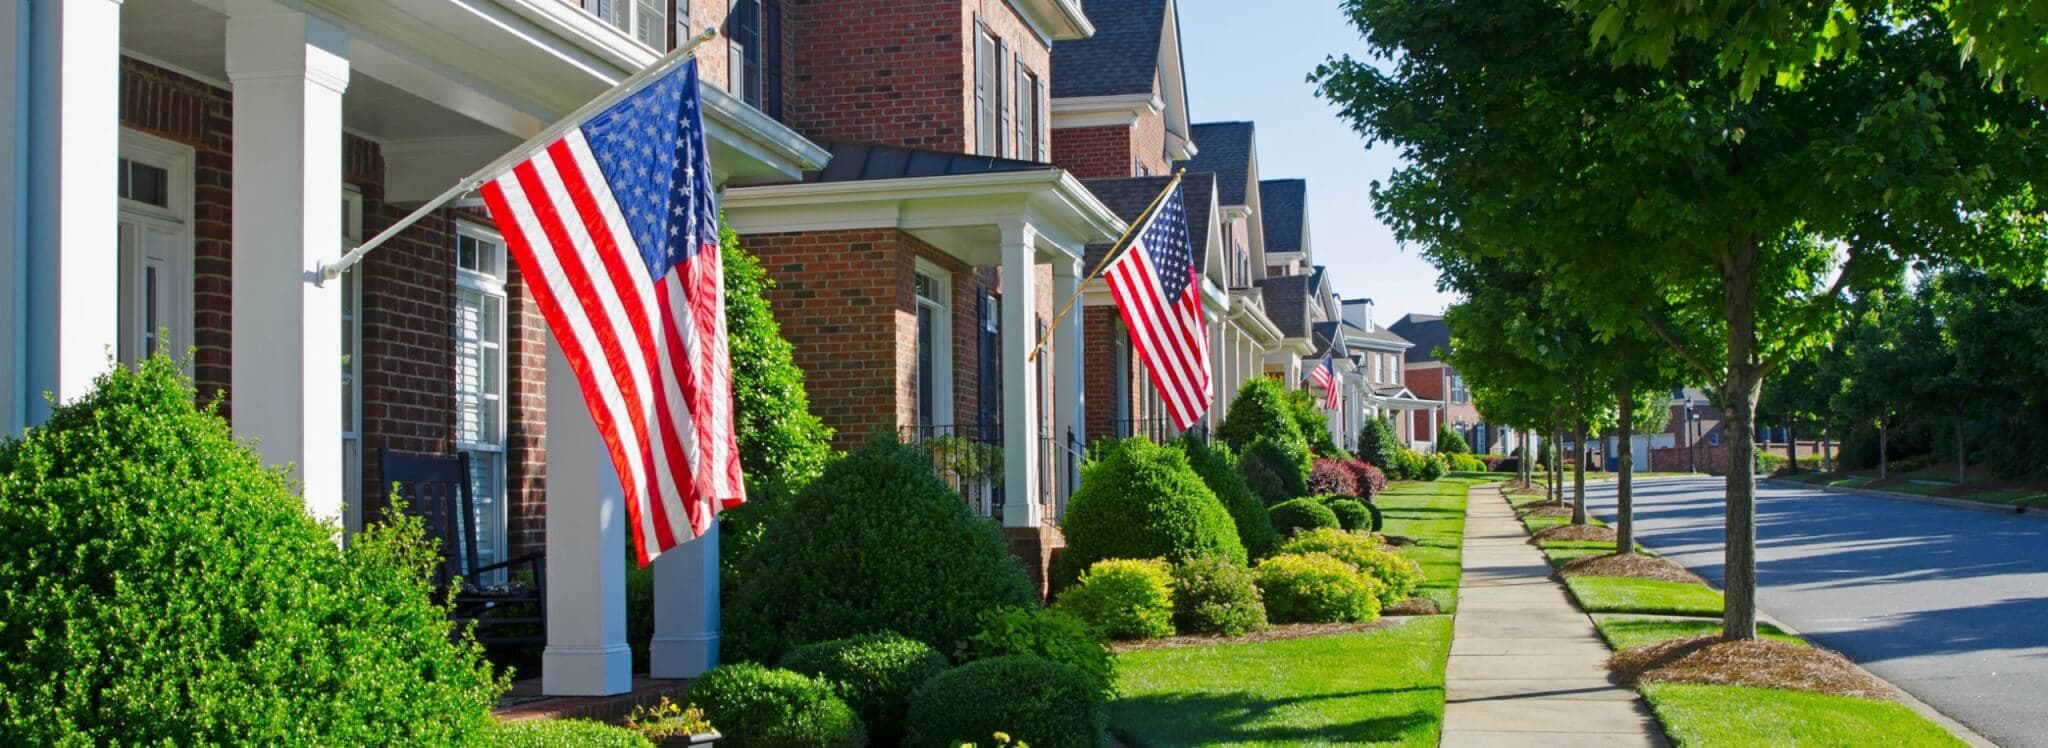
1384,687
1628,632
1433,515
1696,715
1650,596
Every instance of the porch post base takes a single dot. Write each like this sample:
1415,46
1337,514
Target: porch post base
586,671
682,655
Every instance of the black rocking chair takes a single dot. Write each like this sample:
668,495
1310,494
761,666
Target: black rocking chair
437,490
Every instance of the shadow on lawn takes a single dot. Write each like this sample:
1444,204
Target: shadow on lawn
1212,718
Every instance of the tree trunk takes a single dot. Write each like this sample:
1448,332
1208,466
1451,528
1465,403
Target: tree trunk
1962,461
1624,482
1579,474
1883,462
1739,396
1557,462
1791,450
1827,449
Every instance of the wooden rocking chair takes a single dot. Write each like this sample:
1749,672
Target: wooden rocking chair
437,490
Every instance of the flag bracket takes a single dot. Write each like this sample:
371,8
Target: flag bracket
328,270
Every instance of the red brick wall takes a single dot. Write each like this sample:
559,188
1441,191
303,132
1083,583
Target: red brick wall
526,418
1093,152
844,300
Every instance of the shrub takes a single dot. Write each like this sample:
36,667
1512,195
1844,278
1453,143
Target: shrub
1315,588
1408,464
1449,441
1260,411
1504,464
1214,596
1351,514
1398,577
1123,598
1371,481
1034,700
874,674
1434,466
1464,463
1377,443
772,420
561,733
1045,633
162,586
1143,501
1307,410
1293,516
1331,476
1274,471
1218,469
877,544
759,707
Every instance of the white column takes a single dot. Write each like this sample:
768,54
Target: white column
68,322
13,281
1433,446
288,71
1219,384
1070,356
586,654
1020,382
686,609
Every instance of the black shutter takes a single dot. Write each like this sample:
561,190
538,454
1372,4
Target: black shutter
771,31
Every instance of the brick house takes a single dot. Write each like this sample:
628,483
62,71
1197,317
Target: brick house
1244,335
1432,378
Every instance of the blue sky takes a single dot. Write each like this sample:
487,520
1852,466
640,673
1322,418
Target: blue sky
1250,61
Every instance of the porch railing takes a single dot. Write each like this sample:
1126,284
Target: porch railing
968,458
1060,470
1159,430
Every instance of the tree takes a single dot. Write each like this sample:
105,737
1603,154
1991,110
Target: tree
1741,220
1448,441
1377,443
1307,409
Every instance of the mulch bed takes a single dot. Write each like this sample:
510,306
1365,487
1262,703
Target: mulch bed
1397,540
1276,633
1576,532
1414,606
1628,565
1546,509
1762,663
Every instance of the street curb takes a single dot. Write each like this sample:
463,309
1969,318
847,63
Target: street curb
1915,498
1924,709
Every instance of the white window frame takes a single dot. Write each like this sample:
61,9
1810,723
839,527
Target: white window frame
352,365
628,17
942,332
175,218
468,280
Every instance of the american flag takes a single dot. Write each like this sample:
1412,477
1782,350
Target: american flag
1325,376
615,231
1157,290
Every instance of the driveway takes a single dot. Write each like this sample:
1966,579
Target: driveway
1951,604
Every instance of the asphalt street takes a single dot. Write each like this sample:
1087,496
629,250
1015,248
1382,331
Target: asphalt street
1949,603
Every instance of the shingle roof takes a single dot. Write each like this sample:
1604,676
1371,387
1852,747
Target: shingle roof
1378,335
1326,340
859,161
1226,149
1128,197
1285,203
1286,300
1121,58
1427,331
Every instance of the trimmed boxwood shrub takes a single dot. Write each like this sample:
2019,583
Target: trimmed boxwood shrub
1123,598
1315,588
1143,501
561,733
163,587
1293,516
1218,469
1214,596
1033,700
874,674
1351,513
1274,471
1333,476
1465,463
759,707
1377,443
1371,480
1261,411
1450,442
1045,633
1397,575
1408,464
877,544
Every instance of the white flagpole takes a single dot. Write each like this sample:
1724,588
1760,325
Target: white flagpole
330,270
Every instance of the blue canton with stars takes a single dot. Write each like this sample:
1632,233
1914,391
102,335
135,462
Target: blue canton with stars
650,147
1166,243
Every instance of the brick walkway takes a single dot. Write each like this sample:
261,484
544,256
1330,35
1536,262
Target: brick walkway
1527,668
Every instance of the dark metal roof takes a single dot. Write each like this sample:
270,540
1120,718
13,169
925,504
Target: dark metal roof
1427,331
1286,299
1121,58
1285,204
853,162
1224,148
1128,197
1326,340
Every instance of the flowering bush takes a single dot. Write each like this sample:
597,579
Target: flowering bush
1330,476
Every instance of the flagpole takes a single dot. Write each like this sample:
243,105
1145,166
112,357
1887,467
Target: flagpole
1115,249
331,269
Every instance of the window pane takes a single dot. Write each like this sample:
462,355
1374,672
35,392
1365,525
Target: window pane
927,345
985,95
465,252
651,29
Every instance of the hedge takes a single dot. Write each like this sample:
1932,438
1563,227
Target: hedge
1047,634
1033,700
1293,516
874,674
1316,588
1143,500
1261,411
1215,596
757,707
1274,471
1218,469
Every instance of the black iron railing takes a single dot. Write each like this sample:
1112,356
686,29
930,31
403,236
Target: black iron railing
1059,465
1159,430
968,458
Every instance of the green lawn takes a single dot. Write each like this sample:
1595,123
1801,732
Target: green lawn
1627,632
1652,596
1433,514
1384,686
1695,715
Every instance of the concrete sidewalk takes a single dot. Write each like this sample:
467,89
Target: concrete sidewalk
1527,668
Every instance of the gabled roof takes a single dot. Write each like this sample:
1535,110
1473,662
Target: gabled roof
1381,335
1427,331
1286,300
1121,58
1226,150
1327,340
859,161
1128,197
1285,202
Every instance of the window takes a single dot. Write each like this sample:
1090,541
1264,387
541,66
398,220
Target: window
1714,438
351,366
988,94
154,284
1028,146
1379,371
749,35
640,19
989,353
480,379
934,347
1120,360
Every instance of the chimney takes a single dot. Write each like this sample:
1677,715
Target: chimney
1358,312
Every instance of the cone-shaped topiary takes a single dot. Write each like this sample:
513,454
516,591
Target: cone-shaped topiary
1290,517
1450,442
1218,468
1143,501
163,587
876,544
1377,443
1261,411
